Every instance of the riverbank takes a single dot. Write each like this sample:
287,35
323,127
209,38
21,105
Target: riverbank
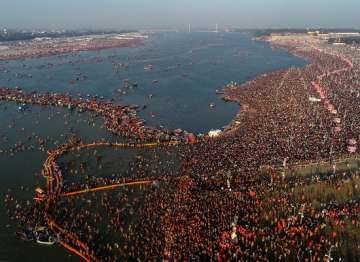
43,47
232,198
257,99
288,117
119,120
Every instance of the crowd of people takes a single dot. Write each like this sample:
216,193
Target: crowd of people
283,121
48,47
120,120
233,197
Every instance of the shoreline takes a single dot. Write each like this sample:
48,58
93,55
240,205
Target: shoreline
245,105
227,200
20,50
119,120
234,123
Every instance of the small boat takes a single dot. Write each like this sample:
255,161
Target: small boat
39,194
22,107
49,241
44,237
134,107
148,67
212,105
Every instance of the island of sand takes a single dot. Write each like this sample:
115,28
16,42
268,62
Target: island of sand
46,46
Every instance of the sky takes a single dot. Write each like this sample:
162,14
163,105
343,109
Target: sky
168,14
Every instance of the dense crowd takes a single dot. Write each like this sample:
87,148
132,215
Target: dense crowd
120,120
283,121
49,47
234,197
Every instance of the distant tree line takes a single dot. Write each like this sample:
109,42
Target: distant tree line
22,36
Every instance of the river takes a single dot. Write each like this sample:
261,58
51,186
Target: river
184,72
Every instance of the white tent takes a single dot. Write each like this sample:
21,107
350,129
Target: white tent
214,133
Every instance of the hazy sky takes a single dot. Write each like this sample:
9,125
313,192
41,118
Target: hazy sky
124,14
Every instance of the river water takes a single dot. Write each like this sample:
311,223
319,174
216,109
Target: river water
186,70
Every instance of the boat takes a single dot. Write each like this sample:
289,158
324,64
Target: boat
134,107
39,194
148,67
22,107
212,105
47,241
44,237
